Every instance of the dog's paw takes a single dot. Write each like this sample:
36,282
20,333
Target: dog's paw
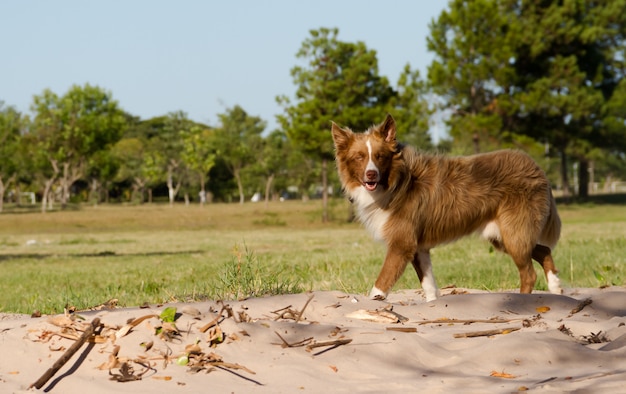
432,296
554,283
377,294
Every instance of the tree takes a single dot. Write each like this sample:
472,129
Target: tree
411,110
543,70
199,154
237,139
340,83
102,168
73,127
11,125
472,48
136,166
272,160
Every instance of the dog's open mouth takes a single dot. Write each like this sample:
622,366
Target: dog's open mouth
370,186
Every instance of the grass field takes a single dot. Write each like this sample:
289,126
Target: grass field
157,253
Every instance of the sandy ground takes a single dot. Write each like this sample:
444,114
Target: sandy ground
467,341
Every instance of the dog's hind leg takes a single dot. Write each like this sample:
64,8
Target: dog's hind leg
527,274
423,266
543,255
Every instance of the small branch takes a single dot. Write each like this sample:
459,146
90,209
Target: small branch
295,344
67,355
335,343
471,321
402,329
486,333
304,307
580,306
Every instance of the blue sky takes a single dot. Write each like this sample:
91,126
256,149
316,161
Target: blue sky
200,57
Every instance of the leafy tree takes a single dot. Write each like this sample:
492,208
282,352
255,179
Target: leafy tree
237,139
272,160
411,110
472,48
339,83
102,168
168,152
199,154
73,127
544,70
11,125
132,154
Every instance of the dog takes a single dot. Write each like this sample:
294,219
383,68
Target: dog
414,202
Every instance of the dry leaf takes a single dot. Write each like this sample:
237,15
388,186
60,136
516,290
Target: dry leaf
56,348
122,332
60,321
193,348
542,309
502,374
378,316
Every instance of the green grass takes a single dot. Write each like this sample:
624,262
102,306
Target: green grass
156,253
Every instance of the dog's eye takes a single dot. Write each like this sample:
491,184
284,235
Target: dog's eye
359,157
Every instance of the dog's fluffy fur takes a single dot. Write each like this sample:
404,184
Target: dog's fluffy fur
414,202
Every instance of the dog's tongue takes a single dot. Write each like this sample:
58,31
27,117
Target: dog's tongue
371,186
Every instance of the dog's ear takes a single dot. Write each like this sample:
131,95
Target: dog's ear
341,137
387,129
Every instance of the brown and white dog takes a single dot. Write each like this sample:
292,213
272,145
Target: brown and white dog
414,202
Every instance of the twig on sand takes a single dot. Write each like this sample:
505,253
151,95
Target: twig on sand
580,306
486,333
288,313
334,343
460,321
304,307
95,323
285,344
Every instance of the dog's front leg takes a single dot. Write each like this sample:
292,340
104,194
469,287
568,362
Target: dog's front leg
423,266
393,267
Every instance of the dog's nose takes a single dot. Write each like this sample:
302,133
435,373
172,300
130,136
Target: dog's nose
371,174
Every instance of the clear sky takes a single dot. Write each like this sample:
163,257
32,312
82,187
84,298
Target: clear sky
200,57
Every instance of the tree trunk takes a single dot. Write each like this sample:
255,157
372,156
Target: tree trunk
268,188
1,194
567,192
583,178
170,186
65,188
94,192
48,185
202,193
325,190
239,186
4,187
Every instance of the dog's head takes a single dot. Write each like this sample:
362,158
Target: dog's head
366,159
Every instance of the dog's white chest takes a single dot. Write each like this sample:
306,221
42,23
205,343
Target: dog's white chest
369,213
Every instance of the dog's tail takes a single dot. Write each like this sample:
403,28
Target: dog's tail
552,229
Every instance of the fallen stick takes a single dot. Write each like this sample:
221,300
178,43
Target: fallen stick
335,343
304,307
459,321
486,333
402,329
580,306
295,344
95,323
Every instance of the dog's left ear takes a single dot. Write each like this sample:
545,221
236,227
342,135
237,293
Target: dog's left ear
387,129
